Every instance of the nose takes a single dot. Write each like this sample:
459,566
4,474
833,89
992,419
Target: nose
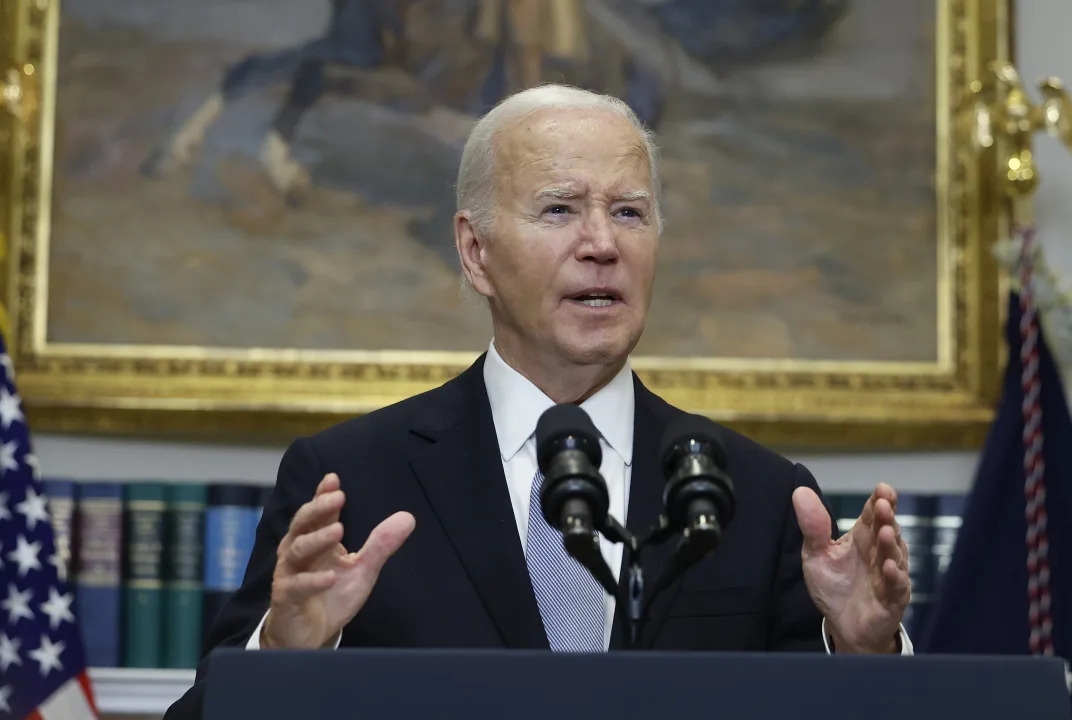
598,240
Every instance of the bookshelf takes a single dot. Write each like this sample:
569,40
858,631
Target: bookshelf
136,691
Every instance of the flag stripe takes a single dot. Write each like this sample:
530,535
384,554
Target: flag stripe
68,703
87,690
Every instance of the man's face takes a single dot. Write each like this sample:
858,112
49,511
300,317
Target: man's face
570,262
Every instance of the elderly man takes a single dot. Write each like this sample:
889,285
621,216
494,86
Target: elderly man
418,524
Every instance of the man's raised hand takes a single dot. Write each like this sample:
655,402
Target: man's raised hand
319,586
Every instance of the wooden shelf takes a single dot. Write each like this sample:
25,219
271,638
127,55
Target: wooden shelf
137,691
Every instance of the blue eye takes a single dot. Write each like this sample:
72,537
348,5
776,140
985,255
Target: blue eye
558,209
630,212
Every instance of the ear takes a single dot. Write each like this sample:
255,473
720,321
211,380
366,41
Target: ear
472,251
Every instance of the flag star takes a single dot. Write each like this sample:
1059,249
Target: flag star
7,456
61,567
25,554
17,604
9,367
34,508
34,464
48,655
58,608
5,693
10,408
5,514
9,652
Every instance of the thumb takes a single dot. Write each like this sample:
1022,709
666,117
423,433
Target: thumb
813,518
385,540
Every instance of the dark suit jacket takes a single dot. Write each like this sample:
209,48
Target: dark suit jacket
460,580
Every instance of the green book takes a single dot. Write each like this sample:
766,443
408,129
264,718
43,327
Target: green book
183,574
143,576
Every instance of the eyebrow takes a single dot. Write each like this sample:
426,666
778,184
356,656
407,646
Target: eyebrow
559,192
634,195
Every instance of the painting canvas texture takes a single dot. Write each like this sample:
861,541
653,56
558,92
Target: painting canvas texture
280,173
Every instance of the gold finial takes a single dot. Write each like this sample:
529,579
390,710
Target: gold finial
1005,117
19,95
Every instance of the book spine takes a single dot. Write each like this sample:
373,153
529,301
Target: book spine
184,575
143,583
61,507
915,515
947,519
229,535
97,570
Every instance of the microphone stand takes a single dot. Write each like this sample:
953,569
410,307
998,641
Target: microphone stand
583,545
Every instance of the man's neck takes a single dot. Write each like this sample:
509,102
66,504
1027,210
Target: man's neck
560,380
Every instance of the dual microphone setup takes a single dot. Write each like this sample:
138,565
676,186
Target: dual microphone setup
698,501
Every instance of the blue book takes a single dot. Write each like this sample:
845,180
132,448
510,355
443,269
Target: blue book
98,570
231,515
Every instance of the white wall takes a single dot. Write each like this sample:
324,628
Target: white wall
1043,50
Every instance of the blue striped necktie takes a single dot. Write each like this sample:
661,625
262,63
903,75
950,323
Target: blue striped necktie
570,599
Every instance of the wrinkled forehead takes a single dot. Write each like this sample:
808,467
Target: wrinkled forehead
596,148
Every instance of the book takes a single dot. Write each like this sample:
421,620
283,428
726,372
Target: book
61,508
231,515
184,574
97,564
143,576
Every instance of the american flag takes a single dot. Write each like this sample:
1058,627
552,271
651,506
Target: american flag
42,662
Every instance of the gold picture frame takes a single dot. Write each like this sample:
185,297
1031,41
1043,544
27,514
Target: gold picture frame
263,392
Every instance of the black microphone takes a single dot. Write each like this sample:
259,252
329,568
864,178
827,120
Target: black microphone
574,497
574,494
699,495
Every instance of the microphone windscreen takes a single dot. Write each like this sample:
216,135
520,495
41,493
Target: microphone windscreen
692,433
562,421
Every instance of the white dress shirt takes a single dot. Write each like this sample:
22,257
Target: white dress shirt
516,407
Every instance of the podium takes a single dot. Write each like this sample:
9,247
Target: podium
534,685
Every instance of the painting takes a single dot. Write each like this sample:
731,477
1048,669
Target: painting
247,205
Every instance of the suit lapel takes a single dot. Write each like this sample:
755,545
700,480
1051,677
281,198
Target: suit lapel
462,475
645,505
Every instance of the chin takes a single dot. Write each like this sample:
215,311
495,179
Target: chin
598,348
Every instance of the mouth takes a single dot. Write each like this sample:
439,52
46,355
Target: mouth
596,298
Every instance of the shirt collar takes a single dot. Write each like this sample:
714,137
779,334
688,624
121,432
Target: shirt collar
516,406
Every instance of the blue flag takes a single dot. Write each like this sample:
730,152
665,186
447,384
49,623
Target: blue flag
42,664
983,605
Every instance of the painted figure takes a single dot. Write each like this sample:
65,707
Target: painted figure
364,34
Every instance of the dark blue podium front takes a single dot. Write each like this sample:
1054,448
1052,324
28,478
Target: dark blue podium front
523,685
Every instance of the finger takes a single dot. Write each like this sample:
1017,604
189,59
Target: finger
883,512
887,493
318,512
306,549
887,547
322,510
384,541
329,483
882,491
896,584
296,588
813,519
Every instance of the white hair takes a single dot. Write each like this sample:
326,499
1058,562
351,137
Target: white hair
476,175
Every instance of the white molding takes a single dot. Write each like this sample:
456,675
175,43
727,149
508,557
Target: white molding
138,691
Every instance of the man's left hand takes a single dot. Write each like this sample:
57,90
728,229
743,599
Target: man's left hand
860,582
